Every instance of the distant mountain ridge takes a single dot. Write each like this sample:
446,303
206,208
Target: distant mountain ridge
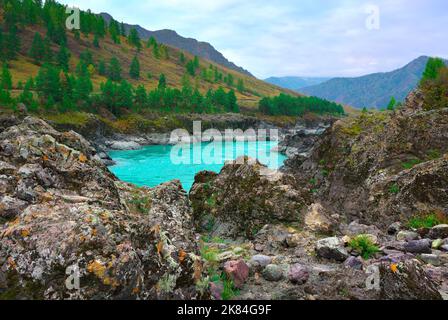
295,83
170,37
373,90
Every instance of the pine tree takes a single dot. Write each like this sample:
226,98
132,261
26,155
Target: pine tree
232,105
162,81
37,51
140,98
63,58
2,46
114,70
123,29
240,86
433,67
125,95
182,58
12,43
6,80
155,50
392,103
134,39
196,62
102,68
48,52
134,71
96,41
151,42
48,84
83,88
191,68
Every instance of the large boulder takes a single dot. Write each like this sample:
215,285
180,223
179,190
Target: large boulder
68,221
244,197
407,281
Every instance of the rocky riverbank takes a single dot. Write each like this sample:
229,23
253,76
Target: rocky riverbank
361,216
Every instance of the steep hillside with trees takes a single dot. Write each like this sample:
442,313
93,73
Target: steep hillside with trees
101,67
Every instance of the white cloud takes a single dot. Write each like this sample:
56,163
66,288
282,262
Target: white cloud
291,37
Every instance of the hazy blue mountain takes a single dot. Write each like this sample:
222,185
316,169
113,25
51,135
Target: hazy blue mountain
295,83
374,90
169,37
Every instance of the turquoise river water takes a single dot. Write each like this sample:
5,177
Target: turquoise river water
153,165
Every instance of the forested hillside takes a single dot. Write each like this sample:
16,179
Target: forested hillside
101,67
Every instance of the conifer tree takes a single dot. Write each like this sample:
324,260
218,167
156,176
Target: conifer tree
102,68
392,103
140,98
48,52
162,81
240,86
6,80
63,58
134,39
37,51
182,58
114,70
96,41
433,67
134,71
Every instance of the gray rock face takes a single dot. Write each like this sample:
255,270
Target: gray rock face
332,248
407,236
394,228
11,207
259,262
298,274
246,195
354,263
124,145
439,232
66,210
432,259
409,281
273,273
418,246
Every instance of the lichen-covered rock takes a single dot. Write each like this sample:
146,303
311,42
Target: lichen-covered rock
318,219
407,281
380,168
66,217
331,248
244,197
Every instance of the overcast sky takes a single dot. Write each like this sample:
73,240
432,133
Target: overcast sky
298,37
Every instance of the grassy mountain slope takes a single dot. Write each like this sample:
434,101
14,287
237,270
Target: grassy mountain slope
24,67
374,90
170,37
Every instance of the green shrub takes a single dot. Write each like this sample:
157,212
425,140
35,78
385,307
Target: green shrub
364,246
411,163
394,189
426,221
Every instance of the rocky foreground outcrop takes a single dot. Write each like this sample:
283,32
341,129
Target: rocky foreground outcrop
244,197
63,213
382,167
360,217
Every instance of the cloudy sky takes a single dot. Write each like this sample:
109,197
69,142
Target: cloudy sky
298,37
